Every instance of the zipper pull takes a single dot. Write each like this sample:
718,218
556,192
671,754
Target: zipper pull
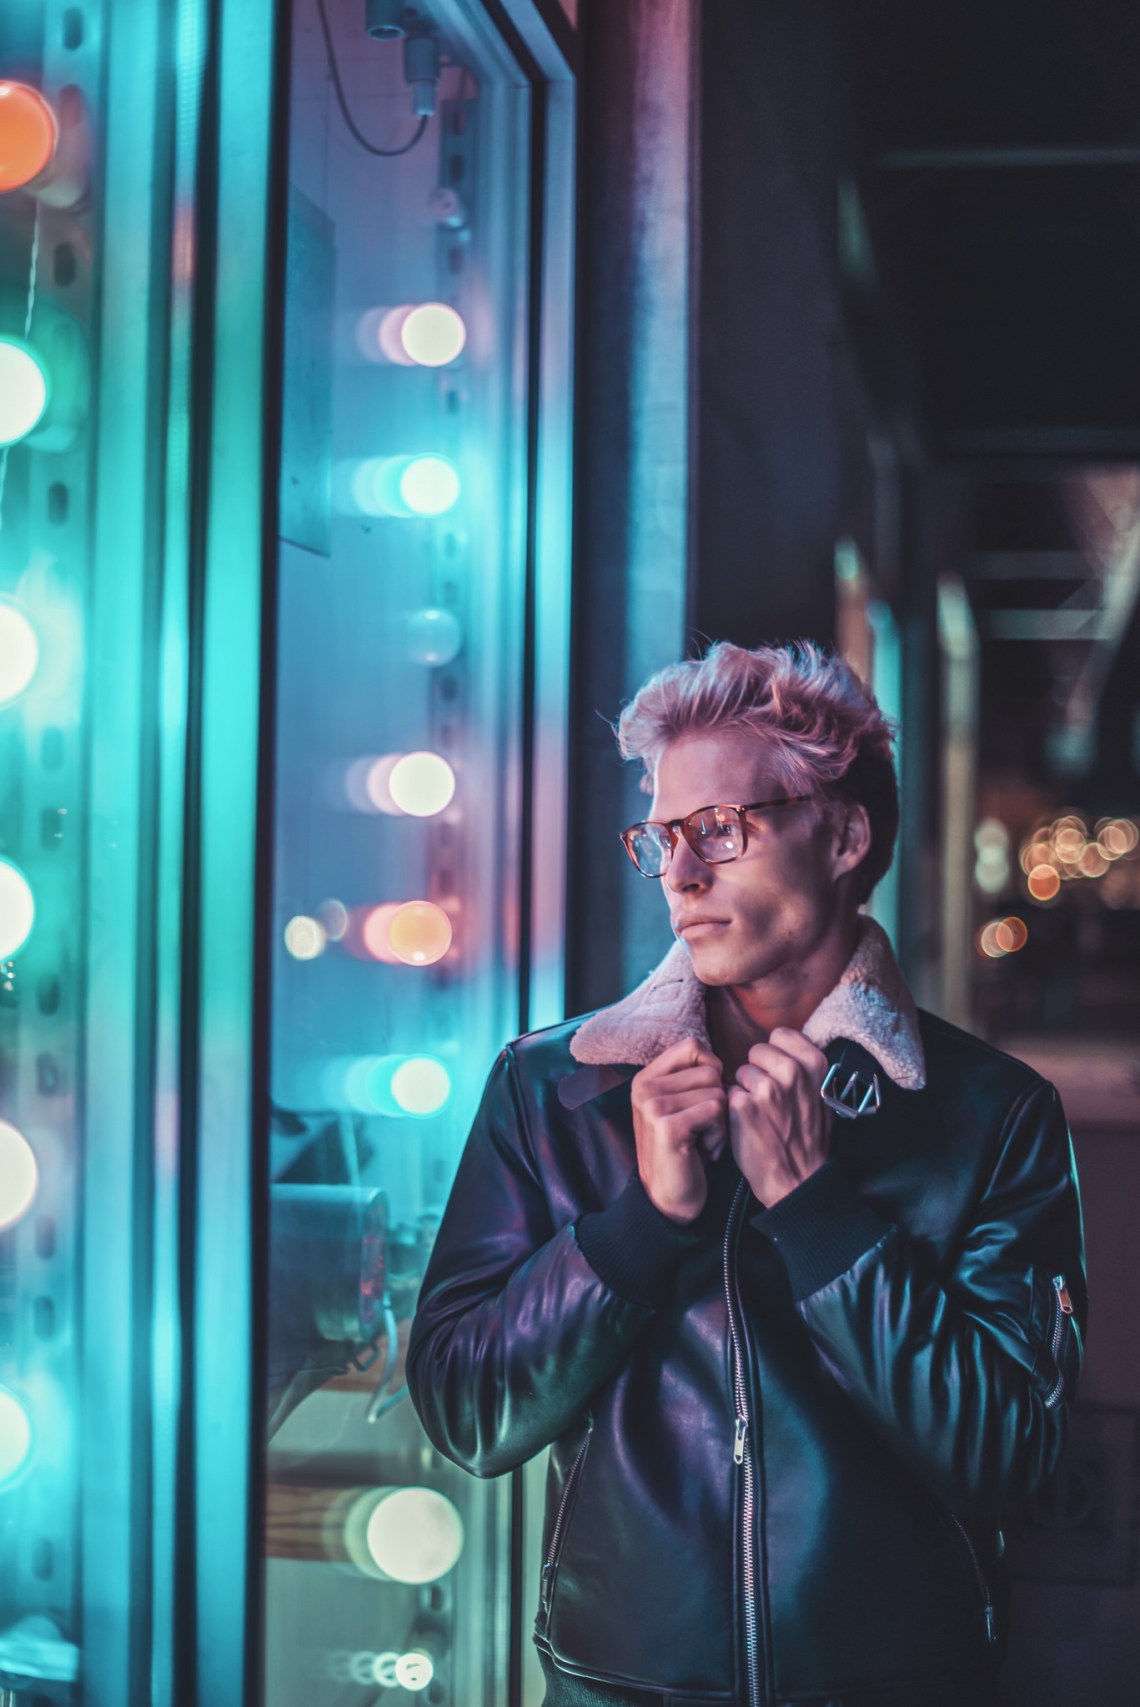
738,1441
1062,1292
991,1631
545,1595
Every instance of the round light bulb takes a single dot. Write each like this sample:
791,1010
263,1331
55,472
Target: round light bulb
434,636
433,334
414,1535
28,135
17,909
421,784
15,1436
19,651
19,1175
23,390
414,1670
429,485
419,933
420,1085
305,937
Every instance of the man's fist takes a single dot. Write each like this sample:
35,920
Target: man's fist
679,1111
779,1127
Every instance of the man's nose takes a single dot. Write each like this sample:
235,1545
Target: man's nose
686,871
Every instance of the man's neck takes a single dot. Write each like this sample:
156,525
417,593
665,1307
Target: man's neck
739,1015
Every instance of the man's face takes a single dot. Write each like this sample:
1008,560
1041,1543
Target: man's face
765,914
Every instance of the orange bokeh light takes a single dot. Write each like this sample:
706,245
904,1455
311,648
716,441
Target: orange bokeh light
28,134
1010,935
375,932
1043,882
419,933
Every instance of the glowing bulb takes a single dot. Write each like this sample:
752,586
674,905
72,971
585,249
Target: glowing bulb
421,784
429,485
420,1085
1043,882
23,390
15,1437
19,1175
28,135
419,933
17,909
305,938
414,1670
414,1535
1010,935
434,636
377,926
433,334
19,652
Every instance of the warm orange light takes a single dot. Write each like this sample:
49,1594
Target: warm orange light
1043,882
420,933
28,134
987,941
1010,935
1093,862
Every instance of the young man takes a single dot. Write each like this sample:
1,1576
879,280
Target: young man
789,1275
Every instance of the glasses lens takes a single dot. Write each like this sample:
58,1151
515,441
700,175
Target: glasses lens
649,848
716,834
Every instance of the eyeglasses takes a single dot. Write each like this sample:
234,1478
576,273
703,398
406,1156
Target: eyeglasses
716,835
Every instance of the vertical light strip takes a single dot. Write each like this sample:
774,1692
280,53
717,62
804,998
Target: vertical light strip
115,1482
225,1401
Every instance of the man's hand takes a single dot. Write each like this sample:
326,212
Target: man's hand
679,1110
779,1128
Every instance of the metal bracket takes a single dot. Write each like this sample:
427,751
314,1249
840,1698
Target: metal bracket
855,1098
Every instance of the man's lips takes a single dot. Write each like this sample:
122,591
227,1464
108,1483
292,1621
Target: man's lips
682,927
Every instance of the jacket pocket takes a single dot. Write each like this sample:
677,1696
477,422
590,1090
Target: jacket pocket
562,1519
1063,1341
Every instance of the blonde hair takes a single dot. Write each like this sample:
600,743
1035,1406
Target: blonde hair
819,724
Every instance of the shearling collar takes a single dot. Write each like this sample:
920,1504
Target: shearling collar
871,1005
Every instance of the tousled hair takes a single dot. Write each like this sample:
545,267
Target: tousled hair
819,724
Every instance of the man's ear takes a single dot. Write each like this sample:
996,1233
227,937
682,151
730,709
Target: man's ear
852,841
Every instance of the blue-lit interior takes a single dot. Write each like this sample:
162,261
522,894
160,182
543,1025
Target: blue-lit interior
397,845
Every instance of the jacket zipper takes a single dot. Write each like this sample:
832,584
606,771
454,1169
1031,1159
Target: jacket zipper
561,1515
979,1575
1062,1307
744,1461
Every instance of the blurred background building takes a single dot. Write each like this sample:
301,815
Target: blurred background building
385,390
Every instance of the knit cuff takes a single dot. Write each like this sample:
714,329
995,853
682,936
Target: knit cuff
820,1229
633,1247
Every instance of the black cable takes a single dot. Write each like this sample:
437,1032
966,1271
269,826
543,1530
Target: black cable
334,72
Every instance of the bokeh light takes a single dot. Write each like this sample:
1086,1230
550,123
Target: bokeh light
17,909
429,485
19,1175
333,915
19,651
432,334
414,1535
434,636
377,925
420,1085
419,933
23,390
15,1437
1043,882
305,937
421,784
28,135
414,1670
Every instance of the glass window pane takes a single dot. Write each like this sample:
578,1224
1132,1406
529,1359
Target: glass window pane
398,820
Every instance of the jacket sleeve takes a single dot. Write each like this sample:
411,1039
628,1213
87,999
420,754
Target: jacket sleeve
515,1329
964,1370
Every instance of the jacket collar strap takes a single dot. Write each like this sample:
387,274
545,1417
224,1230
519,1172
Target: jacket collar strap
871,1005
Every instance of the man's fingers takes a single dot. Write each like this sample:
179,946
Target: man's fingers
801,1048
681,1079
687,1053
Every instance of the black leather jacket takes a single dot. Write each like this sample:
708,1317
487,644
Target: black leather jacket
782,1439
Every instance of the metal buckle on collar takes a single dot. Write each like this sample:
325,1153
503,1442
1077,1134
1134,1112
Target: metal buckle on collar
856,1097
